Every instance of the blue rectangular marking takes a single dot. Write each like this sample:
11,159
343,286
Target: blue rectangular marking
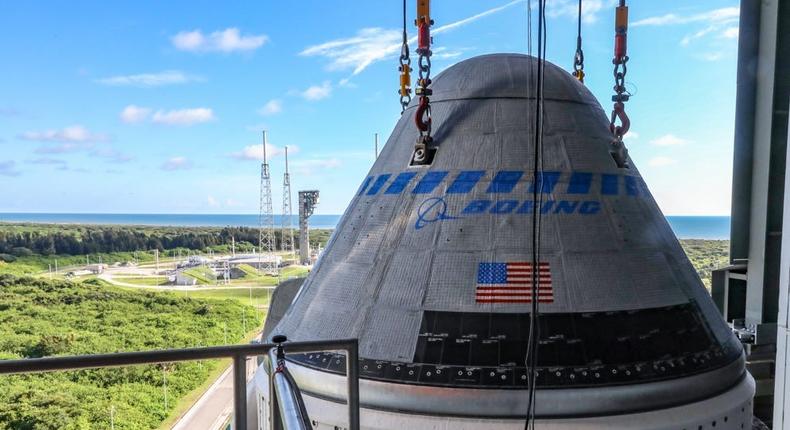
631,186
380,181
365,185
548,181
465,181
609,184
492,273
429,182
504,181
580,183
400,182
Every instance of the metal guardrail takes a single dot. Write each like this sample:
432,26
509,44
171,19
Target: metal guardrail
238,353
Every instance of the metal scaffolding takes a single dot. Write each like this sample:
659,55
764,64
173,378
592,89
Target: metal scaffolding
287,233
266,243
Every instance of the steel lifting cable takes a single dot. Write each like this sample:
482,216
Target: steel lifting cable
422,116
620,60
578,58
405,67
537,203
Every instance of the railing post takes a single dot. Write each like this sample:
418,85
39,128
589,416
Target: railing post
352,374
240,392
274,406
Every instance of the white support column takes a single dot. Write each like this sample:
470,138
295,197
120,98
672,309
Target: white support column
782,377
764,105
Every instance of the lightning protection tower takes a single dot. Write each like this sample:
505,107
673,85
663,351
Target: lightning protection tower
266,259
287,232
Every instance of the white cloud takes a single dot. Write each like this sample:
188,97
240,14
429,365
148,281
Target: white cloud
271,107
661,161
317,92
631,135
570,9
183,116
212,201
176,163
730,33
47,160
370,45
146,80
314,166
133,114
711,56
445,54
228,40
63,148
255,152
74,133
357,52
8,168
697,35
669,140
111,155
722,22
727,14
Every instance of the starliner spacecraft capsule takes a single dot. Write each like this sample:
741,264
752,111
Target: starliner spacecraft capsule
431,267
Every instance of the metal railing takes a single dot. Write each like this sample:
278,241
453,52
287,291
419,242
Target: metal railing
238,353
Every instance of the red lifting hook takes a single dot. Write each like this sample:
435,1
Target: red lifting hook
420,119
619,113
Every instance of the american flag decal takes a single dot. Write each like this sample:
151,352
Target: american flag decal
512,283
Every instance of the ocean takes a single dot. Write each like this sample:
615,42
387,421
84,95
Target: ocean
685,227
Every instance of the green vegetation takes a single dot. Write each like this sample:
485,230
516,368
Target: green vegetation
707,255
42,318
203,275
257,297
293,272
33,264
143,280
25,239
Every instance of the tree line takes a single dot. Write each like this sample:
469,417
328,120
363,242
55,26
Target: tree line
101,239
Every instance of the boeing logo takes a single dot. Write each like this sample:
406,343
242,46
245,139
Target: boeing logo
432,210
504,182
436,209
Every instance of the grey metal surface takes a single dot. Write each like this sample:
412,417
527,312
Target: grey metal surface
769,142
281,299
579,402
389,260
240,392
748,44
782,375
292,414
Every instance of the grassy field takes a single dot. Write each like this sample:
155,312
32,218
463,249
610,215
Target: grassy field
256,297
35,264
203,275
44,318
143,280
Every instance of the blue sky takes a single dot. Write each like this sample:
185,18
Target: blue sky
131,107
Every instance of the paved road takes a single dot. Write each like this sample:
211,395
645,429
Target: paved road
216,404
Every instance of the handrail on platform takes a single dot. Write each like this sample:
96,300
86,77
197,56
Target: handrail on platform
239,354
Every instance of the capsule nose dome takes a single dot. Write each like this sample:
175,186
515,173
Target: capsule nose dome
430,266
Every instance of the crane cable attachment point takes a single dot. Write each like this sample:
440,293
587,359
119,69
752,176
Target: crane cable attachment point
620,60
578,58
423,152
405,67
